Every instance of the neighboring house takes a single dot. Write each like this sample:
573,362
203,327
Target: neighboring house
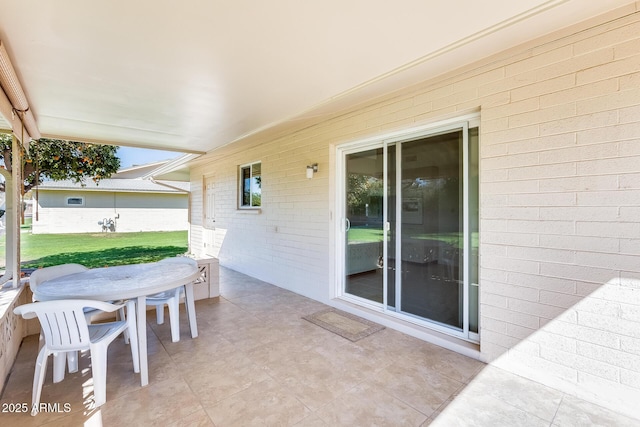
511,205
123,203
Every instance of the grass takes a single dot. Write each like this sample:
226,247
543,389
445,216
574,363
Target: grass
97,249
364,234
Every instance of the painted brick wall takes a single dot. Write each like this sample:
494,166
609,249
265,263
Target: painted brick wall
290,230
560,197
560,183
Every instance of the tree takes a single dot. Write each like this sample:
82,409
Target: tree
58,159
362,188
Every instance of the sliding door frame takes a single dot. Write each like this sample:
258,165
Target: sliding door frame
385,141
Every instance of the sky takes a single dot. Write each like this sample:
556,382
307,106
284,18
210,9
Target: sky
130,156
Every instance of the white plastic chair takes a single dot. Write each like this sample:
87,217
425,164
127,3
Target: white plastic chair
48,273
66,330
172,298
43,274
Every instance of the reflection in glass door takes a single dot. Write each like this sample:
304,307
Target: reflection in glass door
364,221
431,228
411,222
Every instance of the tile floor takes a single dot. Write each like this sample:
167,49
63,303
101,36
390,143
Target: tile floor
256,362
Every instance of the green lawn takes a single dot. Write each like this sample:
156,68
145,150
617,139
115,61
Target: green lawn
97,249
364,234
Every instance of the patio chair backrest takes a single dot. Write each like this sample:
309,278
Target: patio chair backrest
63,322
48,273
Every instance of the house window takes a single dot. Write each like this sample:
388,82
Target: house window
251,185
75,201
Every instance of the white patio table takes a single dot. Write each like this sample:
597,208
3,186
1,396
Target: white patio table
126,282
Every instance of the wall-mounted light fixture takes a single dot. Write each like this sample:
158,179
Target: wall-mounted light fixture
311,169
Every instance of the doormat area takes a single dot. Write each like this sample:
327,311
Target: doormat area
346,325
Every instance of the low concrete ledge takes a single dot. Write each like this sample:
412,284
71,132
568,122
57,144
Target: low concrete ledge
208,284
12,327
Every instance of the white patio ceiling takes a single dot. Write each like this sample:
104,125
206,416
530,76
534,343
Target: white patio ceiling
196,74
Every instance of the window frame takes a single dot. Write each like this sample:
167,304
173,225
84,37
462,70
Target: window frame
81,198
241,185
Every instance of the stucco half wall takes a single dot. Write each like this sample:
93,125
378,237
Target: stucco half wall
559,197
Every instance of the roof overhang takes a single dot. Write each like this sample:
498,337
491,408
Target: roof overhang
16,114
193,76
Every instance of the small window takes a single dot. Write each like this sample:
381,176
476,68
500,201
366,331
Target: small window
251,185
75,201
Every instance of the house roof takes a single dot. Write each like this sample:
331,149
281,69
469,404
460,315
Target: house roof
119,185
138,171
192,76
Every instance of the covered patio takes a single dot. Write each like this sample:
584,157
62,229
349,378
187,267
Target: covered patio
487,151
257,362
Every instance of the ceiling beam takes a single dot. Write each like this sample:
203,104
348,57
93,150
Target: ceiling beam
102,142
18,104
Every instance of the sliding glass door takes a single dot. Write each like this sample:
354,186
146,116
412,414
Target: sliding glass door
431,228
364,232
410,230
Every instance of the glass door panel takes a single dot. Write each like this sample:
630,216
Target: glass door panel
364,213
431,229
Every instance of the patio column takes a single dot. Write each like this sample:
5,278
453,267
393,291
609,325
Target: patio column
9,224
13,204
16,188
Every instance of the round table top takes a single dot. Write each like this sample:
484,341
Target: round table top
119,282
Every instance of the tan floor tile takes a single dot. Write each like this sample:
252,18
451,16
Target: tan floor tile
317,378
200,418
469,409
201,349
220,378
264,403
577,412
256,361
367,405
419,386
524,394
311,421
161,402
447,362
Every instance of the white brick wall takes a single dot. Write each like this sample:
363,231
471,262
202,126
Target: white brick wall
560,190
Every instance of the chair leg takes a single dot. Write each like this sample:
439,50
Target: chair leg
72,361
59,365
159,314
174,318
120,316
41,341
99,372
189,304
133,334
38,380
